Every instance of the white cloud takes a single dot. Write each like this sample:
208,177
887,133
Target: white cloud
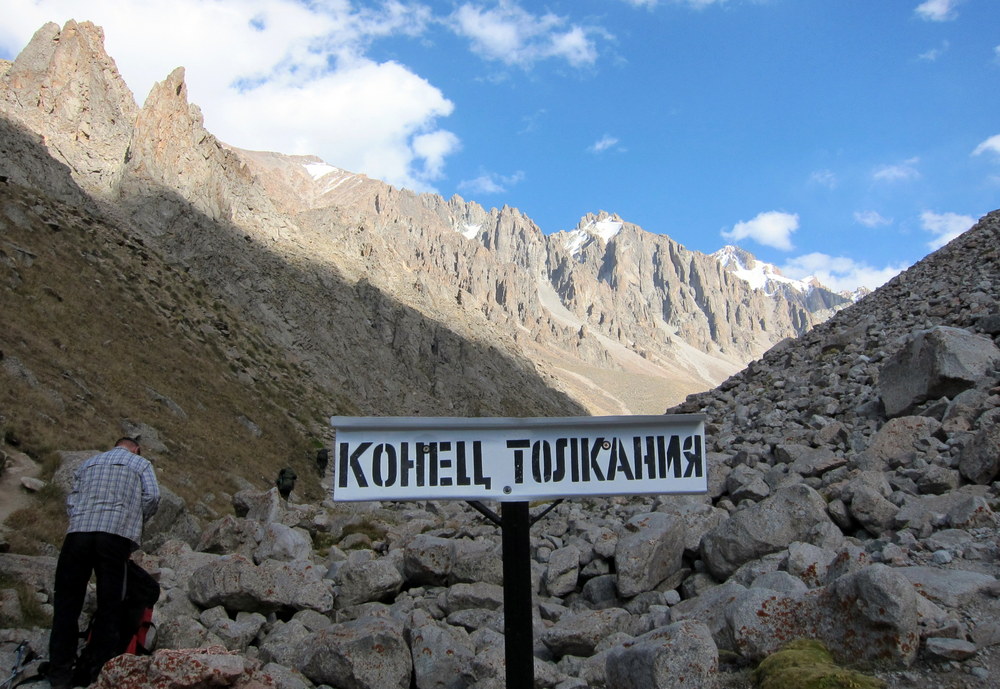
992,144
824,178
944,226
839,273
901,172
512,35
697,4
604,143
871,219
771,228
934,53
490,183
301,69
937,10
433,148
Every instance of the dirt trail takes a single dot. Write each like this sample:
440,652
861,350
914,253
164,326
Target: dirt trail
12,495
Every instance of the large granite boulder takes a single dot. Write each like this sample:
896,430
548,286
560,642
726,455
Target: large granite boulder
880,603
368,653
239,585
679,656
937,362
793,513
649,551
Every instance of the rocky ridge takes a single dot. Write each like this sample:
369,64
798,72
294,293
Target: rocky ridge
769,278
625,322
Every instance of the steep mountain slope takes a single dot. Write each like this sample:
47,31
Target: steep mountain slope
209,352
629,315
828,379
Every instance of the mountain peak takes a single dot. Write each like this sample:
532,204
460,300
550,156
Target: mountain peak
760,275
601,226
731,255
80,100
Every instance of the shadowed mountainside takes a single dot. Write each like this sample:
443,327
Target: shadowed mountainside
102,335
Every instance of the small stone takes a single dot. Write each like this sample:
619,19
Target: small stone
950,649
941,557
32,484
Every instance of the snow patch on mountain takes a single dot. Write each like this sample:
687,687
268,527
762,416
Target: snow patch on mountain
607,228
317,170
469,231
759,275
604,226
576,240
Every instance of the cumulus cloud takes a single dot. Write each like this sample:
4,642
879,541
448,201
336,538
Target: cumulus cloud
900,172
839,273
490,183
510,34
992,145
301,69
944,226
604,143
937,10
433,148
871,219
771,228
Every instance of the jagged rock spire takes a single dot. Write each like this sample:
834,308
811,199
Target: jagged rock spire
65,84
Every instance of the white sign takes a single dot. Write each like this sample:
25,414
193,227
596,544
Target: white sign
410,458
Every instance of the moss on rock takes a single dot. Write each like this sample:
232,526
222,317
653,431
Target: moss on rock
807,664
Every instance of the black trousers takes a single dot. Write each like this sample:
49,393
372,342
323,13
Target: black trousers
82,554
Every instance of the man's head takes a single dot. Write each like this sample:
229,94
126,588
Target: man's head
130,444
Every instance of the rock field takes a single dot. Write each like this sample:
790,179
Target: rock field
852,495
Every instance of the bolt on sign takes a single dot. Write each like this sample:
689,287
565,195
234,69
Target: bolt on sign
517,459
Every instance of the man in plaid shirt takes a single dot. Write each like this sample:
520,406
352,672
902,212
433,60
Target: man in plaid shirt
114,494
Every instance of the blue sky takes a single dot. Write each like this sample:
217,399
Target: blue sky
845,139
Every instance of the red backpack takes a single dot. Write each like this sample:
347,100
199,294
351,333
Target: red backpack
141,593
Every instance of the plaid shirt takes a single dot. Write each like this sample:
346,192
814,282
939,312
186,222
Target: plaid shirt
114,492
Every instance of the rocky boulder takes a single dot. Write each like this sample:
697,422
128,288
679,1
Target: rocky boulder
794,513
679,656
938,362
369,653
979,460
880,603
166,669
236,583
649,552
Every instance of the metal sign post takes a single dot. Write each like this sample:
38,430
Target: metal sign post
513,460
518,635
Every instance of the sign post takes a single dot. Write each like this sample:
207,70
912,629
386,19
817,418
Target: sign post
514,460
518,636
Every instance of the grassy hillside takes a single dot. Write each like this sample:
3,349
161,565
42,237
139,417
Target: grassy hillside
100,336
